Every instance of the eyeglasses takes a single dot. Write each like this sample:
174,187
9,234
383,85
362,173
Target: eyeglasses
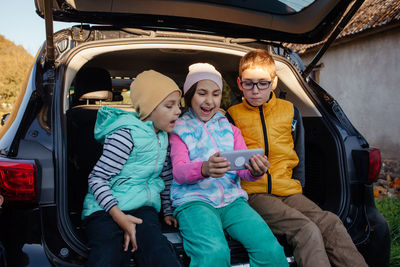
261,85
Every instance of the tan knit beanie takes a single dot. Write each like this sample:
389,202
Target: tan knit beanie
149,89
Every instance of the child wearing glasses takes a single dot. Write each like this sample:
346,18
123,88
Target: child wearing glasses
207,197
317,237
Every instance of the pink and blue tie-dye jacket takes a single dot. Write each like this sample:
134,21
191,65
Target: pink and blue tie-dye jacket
203,139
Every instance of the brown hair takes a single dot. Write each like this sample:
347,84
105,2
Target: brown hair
188,96
257,58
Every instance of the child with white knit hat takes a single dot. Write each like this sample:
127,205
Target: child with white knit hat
207,197
120,211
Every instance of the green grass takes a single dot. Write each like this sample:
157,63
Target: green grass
390,209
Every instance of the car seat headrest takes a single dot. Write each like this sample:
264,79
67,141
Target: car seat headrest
90,80
97,95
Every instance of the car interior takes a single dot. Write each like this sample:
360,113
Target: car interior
102,77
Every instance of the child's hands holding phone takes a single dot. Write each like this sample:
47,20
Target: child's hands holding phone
216,166
219,163
259,165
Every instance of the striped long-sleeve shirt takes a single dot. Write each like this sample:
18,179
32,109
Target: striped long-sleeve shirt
116,150
166,175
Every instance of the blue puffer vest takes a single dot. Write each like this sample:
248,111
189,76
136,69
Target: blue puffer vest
203,139
138,184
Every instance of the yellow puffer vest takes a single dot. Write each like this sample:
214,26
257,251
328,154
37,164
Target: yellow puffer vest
277,115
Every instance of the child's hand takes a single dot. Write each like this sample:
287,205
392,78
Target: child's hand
130,232
128,225
171,221
216,166
259,165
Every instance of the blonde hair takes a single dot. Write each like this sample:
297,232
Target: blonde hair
257,58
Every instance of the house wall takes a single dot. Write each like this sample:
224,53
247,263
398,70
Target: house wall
363,75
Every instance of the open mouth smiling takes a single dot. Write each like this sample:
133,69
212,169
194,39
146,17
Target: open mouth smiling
206,111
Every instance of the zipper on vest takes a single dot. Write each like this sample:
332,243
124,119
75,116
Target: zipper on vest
221,187
155,169
264,127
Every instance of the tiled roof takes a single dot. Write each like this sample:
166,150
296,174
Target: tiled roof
372,14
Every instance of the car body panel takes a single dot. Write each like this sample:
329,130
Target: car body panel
311,22
40,130
63,247
260,19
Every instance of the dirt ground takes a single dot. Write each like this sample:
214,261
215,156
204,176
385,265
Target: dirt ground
388,183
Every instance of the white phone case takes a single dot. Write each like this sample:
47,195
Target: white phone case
238,158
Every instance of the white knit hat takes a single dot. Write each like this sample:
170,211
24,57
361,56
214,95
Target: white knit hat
201,71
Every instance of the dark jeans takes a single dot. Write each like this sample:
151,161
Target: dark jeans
105,239
3,262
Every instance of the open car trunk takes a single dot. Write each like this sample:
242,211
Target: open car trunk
172,56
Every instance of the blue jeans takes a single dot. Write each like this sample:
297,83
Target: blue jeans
105,239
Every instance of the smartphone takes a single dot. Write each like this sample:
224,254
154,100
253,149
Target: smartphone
238,158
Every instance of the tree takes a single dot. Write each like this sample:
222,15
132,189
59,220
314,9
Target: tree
15,64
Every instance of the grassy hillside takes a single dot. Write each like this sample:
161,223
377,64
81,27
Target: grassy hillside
15,63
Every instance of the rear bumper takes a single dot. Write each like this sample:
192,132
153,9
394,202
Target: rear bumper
20,238
376,249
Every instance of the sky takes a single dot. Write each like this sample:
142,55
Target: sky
20,24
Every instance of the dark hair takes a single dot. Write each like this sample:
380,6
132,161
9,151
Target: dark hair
188,96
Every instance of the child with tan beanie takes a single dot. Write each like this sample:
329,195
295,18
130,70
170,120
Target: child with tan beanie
121,208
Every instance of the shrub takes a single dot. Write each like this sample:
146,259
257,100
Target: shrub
15,62
390,209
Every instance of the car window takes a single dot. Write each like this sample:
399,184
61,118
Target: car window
120,93
121,90
281,7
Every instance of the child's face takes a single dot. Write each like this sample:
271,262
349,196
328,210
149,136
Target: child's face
206,100
166,113
255,96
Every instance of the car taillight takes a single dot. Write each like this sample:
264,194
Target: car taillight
367,163
18,180
375,164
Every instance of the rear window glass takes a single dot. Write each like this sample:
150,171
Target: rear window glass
120,93
121,86
281,7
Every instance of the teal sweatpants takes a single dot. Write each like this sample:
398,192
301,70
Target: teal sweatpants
202,227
